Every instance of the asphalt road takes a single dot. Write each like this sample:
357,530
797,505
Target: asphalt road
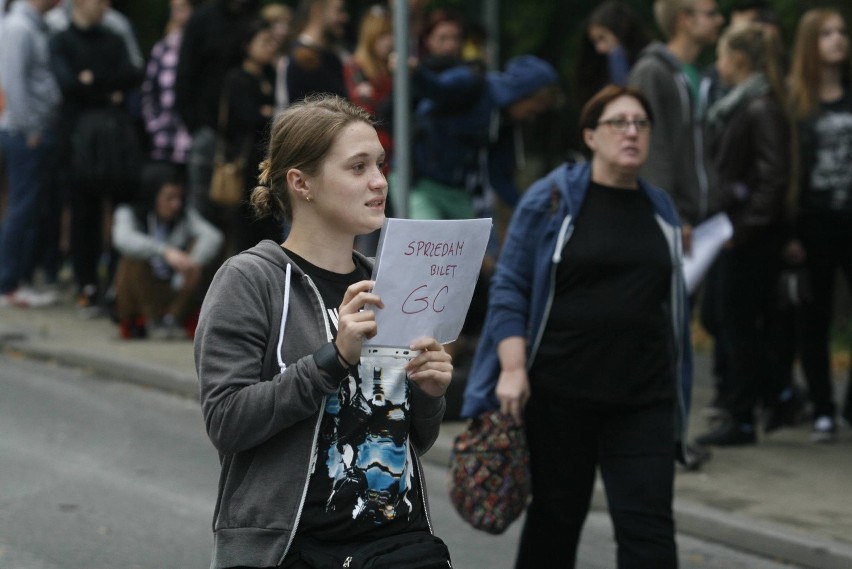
98,474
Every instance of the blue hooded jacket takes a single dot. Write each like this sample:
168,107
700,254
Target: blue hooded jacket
522,287
460,117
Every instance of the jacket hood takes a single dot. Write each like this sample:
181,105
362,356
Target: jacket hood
659,51
523,76
274,253
270,251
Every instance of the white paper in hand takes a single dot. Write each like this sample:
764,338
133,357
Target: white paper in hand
708,238
425,273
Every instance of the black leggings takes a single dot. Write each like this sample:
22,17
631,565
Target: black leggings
634,449
828,244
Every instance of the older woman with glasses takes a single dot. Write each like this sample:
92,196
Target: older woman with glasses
586,343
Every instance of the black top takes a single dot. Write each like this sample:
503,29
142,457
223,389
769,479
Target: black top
365,482
245,128
826,152
608,336
103,53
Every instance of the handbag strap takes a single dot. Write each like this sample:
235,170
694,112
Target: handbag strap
222,128
222,124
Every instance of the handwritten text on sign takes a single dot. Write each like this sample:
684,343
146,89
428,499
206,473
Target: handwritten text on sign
425,274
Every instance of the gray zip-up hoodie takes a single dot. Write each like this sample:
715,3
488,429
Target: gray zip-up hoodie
677,160
261,334
32,96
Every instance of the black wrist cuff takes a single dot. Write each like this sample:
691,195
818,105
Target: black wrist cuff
326,360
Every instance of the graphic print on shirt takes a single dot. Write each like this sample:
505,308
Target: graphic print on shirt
831,173
363,446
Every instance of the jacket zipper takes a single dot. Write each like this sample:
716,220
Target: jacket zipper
565,233
312,462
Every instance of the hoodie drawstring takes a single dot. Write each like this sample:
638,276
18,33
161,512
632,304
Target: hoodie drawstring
281,363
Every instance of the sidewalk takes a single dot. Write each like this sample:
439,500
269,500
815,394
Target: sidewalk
785,498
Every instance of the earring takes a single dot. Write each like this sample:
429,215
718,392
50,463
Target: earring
308,198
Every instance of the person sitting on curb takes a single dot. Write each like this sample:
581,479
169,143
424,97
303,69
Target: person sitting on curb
165,248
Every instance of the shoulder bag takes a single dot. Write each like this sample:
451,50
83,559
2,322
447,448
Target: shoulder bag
489,479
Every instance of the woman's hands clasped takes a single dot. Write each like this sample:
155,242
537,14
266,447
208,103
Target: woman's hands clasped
431,370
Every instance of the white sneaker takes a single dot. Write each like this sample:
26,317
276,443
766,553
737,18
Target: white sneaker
10,300
825,430
34,299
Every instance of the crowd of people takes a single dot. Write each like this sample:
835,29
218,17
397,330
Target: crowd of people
109,157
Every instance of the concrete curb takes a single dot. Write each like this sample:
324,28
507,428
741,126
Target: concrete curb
759,538
146,374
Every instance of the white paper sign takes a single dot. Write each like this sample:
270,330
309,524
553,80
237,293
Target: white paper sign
425,273
708,238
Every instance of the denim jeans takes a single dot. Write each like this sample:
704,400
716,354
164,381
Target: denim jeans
26,173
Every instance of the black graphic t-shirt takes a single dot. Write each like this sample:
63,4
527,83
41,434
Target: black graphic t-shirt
364,483
826,156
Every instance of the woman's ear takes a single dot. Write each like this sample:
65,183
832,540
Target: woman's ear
298,182
589,138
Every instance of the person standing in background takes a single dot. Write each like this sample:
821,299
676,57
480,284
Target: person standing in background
820,87
94,72
749,135
208,50
170,140
316,57
678,95
28,137
612,40
248,99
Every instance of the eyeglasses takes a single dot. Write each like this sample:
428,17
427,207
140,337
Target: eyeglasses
621,126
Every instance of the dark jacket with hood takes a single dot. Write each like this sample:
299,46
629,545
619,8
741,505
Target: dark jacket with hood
261,352
461,117
677,160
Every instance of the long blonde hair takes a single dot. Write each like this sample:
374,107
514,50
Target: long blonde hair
804,80
375,23
762,48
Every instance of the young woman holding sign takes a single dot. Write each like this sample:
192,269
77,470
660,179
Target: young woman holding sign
318,450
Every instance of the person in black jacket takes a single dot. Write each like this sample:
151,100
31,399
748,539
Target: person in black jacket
750,142
249,99
94,72
210,47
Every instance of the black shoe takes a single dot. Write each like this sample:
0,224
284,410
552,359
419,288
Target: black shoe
695,456
786,413
728,434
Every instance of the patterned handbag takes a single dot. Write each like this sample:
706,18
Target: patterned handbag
489,475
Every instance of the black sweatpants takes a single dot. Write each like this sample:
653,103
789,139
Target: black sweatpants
634,449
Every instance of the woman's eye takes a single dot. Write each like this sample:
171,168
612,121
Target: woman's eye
358,167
